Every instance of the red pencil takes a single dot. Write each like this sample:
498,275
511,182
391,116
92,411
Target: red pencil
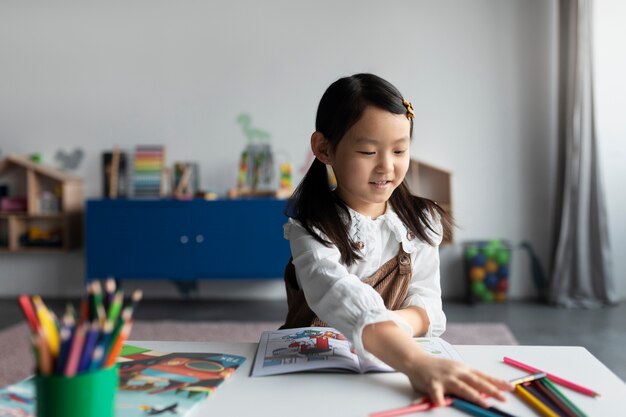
423,405
552,377
27,308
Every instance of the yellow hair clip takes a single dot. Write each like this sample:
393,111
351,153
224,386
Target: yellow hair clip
410,114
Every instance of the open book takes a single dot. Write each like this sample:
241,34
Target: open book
325,349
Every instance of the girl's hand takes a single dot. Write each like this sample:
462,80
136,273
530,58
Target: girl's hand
438,377
430,375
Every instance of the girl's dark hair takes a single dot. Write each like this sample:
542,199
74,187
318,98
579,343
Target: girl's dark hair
317,207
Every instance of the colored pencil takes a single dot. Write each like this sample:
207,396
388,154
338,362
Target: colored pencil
116,306
548,384
75,350
66,342
105,342
528,378
127,315
29,312
91,338
109,291
117,345
45,356
491,408
48,325
552,377
473,409
98,303
84,309
534,402
88,342
135,298
538,394
97,357
422,405
554,399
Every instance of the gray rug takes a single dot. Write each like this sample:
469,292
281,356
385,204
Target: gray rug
16,360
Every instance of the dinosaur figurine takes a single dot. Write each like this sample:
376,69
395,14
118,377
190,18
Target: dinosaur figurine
251,133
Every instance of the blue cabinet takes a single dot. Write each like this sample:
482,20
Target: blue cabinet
185,240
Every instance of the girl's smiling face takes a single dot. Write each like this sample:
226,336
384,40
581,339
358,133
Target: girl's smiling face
371,160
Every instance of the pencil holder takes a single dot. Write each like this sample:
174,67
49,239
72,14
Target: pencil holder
87,395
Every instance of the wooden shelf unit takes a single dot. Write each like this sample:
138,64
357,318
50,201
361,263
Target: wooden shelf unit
29,180
427,181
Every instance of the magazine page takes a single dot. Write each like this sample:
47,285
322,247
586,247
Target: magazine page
18,399
435,346
303,349
150,383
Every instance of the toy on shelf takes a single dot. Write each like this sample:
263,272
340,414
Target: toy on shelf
185,183
487,271
114,173
256,176
148,171
69,160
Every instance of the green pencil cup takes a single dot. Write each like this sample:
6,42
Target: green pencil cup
86,395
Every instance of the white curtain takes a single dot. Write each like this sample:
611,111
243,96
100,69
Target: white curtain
581,273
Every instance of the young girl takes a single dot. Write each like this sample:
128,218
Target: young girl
365,255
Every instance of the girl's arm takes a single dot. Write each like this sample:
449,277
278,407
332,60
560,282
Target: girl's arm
433,376
417,318
422,306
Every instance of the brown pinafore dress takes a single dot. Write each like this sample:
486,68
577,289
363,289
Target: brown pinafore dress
391,281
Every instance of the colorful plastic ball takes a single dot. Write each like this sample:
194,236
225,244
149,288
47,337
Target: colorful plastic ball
478,288
503,271
503,285
495,243
487,297
477,274
491,281
502,257
471,251
479,260
491,266
490,252
500,296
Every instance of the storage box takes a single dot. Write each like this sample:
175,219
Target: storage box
14,204
487,268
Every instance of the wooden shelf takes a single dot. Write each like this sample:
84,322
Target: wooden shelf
427,181
65,203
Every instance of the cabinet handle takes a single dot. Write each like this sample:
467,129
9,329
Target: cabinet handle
184,239
199,238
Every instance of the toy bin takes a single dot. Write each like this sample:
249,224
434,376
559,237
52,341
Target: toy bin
487,269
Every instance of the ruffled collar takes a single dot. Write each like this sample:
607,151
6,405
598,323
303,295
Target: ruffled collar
362,227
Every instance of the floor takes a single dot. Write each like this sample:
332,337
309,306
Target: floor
601,331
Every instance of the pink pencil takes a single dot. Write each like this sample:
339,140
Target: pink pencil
552,377
75,350
409,409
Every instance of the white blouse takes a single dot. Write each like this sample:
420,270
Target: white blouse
337,294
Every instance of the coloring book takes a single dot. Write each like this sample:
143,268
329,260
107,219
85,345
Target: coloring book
150,383
325,349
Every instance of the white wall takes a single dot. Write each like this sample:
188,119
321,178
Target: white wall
480,74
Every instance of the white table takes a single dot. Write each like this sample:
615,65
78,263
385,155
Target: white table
347,395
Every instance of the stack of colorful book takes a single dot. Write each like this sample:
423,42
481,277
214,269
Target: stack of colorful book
148,167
